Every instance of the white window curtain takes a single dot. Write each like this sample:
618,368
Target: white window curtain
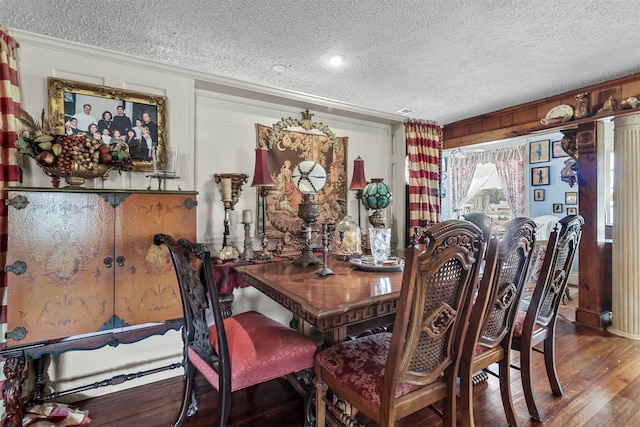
470,172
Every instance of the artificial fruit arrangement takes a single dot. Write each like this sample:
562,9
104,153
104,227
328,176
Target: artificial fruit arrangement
76,155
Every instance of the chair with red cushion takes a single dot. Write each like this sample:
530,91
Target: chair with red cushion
503,279
538,323
233,353
387,376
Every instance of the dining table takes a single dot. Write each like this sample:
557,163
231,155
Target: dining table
353,297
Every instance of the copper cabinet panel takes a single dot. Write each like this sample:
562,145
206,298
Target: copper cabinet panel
146,286
90,262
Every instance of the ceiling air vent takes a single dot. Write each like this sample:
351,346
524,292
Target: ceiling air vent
406,111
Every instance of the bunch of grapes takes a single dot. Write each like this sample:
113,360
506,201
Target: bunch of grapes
79,149
125,164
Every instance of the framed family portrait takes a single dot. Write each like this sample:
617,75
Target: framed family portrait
540,176
112,115
571,198
539,151
557,150
572,211
538,195
557,207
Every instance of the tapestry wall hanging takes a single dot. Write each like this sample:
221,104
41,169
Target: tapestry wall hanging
287,148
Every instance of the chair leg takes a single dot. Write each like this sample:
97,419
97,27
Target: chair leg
505,391
525,374
321,394
466,395
449,410
550,364
189,403
224,403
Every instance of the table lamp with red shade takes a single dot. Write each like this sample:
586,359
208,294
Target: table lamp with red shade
358,182
263,180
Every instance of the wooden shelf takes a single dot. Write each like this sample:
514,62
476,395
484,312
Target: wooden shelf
603,117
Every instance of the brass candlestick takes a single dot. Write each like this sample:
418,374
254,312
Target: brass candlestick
309,212
230,189
264,241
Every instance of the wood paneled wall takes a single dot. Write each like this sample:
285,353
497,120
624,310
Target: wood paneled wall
525,118
594,308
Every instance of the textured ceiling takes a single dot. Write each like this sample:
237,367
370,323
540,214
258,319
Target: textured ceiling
447,60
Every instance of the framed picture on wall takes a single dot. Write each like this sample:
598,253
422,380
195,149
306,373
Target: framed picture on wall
556,150
557,207
538,194
572,211
539,151
571,198
540,176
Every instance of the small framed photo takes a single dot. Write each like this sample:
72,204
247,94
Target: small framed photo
571,198
539,151
540,176
556,150
538,194
572,211
557,207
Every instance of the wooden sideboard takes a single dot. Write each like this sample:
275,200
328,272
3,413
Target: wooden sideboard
81,268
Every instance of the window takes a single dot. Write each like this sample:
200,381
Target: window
609,167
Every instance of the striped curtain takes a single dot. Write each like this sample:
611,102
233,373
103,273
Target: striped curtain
9,171
424,151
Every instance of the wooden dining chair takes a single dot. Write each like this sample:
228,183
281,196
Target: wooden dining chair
538,324
388,376
235,352
506,264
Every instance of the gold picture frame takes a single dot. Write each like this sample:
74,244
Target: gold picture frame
68,98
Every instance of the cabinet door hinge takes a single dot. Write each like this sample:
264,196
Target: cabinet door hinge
16,268
18,202
18,334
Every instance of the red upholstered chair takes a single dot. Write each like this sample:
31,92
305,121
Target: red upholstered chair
507,260
538,323
234,353
388,376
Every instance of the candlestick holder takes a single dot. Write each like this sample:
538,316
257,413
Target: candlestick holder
326,237
309,212
231,187
263,192
247,254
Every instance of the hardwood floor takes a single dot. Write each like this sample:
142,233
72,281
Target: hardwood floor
600,375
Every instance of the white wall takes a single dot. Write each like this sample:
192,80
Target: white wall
212,122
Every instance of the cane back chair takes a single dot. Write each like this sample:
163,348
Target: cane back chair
506,264
233,353
538,323
388,376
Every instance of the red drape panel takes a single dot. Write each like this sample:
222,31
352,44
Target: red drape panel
424,150
9,171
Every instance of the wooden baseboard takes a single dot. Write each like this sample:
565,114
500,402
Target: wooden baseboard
593,318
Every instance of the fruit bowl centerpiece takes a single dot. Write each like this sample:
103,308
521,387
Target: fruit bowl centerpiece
74,157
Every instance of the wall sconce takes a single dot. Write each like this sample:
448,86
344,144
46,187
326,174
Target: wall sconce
264,181
358,182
